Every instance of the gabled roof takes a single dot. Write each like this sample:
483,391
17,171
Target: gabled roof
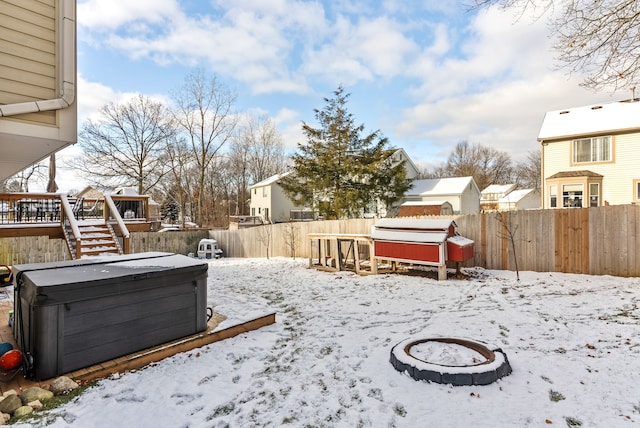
440,186
424,203
129,191
405,157
618,116
499,188
270,180
515,196
572,174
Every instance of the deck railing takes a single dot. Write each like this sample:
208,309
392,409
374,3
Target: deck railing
29,208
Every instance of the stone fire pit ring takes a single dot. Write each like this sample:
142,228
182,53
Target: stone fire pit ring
485,364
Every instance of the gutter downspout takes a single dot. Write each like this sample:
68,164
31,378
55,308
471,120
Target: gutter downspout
67,65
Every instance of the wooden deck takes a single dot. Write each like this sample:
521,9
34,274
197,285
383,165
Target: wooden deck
132,361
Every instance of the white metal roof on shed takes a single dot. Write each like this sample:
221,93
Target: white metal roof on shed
515,196
439,186
499,188
270,180
593,119
423,203
414,223
460,241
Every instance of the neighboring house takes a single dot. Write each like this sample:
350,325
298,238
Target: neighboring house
378,209
399,155
590,155
523,199
38,113
461,192
269,201
491,194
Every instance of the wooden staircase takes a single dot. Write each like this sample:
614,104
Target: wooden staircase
96,239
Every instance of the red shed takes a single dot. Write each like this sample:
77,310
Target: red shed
428,242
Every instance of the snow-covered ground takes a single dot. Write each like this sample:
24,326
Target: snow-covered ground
572,340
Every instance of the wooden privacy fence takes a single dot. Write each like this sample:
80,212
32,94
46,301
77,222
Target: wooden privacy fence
599,241
38,249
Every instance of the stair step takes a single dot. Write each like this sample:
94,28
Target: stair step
97,243
96,238
100,252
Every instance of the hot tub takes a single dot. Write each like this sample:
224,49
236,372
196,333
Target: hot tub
77,313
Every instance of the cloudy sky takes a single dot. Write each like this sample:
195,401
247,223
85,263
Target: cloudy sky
428,74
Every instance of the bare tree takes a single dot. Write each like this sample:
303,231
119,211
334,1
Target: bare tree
204,113
20,182
264,236
178,186
598,38
266,150
126,145
485,164
292,238
220,192
256,153
509,232
527,172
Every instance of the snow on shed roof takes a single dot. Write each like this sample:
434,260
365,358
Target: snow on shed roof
129,191
270,180
499,188
424,203
439,186
593,119
414,223
515,196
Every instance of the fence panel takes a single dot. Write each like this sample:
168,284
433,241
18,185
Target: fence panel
172,242
600,241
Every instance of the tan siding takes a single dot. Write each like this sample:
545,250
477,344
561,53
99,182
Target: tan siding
28,55
617,184
40,7
557,157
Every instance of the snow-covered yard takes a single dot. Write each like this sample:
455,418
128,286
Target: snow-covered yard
572,340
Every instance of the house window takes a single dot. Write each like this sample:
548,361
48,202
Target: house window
266,214
255,191
572,195
636,190
265,193
253,212
553,196
594,195
597,149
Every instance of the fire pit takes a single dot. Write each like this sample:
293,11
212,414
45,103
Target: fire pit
450,361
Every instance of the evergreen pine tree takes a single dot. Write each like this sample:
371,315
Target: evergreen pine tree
338,172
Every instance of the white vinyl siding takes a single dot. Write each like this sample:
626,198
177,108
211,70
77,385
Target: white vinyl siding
28,38
617,183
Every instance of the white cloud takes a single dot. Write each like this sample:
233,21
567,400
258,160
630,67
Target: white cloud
486,78
108,15
92,96
289,124
494,91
